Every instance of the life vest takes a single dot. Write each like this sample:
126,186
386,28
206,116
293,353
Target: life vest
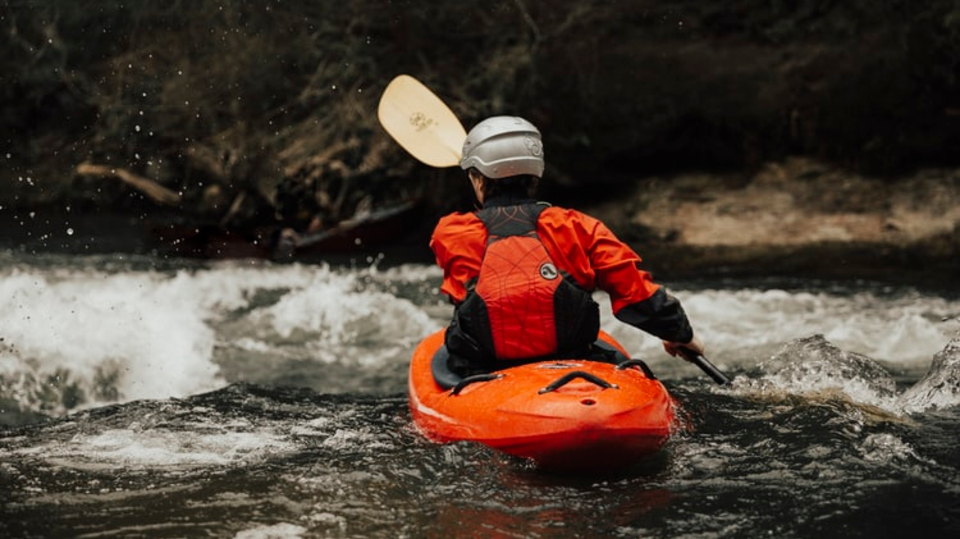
521,306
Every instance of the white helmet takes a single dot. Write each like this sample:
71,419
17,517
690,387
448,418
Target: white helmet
503,146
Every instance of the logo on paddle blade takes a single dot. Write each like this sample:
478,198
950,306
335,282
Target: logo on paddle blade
420,121
548,271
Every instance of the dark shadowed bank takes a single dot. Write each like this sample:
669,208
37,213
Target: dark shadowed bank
809,136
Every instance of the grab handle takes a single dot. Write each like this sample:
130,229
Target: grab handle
637,363
569,377
473,379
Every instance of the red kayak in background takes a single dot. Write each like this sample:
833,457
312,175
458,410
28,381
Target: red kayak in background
565,415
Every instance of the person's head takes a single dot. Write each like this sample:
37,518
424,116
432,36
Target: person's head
503,155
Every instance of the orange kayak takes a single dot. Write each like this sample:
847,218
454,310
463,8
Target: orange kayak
565,415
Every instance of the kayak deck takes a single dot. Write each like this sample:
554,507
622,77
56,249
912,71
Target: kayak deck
570,414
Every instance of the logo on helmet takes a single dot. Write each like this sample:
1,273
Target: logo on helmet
548,271
534,146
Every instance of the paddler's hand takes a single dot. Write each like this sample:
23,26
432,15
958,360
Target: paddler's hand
674,348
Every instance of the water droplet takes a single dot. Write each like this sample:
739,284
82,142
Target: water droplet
69,232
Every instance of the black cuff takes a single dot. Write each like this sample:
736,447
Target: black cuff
660,315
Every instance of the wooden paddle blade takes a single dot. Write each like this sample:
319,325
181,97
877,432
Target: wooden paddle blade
421,123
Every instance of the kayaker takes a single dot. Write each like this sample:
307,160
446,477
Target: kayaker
521,273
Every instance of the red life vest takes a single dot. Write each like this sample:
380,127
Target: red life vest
521,306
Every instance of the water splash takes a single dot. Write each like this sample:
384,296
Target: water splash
886,447
940,388
745,325
332,316
135,448
813,365
238,425
79,337
98,337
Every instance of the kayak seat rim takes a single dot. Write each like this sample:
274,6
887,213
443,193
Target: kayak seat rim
447,379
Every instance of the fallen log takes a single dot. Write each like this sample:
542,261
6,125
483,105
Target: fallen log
146,186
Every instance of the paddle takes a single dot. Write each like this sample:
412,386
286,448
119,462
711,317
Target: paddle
421,123
705,366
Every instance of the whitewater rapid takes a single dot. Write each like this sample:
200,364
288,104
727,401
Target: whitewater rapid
115,329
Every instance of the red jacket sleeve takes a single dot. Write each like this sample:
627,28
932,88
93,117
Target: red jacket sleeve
458,242
596,258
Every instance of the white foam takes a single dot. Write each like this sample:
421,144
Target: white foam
354,440
146,330
332,309
283,530
907,329
127,334
940,388
161,448
886,447
338,316
816,368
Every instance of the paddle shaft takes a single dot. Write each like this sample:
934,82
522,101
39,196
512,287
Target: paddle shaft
705,366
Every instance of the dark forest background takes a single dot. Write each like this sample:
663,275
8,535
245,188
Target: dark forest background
228,111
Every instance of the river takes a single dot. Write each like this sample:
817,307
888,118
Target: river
145,397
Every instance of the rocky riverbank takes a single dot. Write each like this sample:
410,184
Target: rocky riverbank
796,217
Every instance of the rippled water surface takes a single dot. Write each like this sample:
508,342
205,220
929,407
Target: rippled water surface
246,399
